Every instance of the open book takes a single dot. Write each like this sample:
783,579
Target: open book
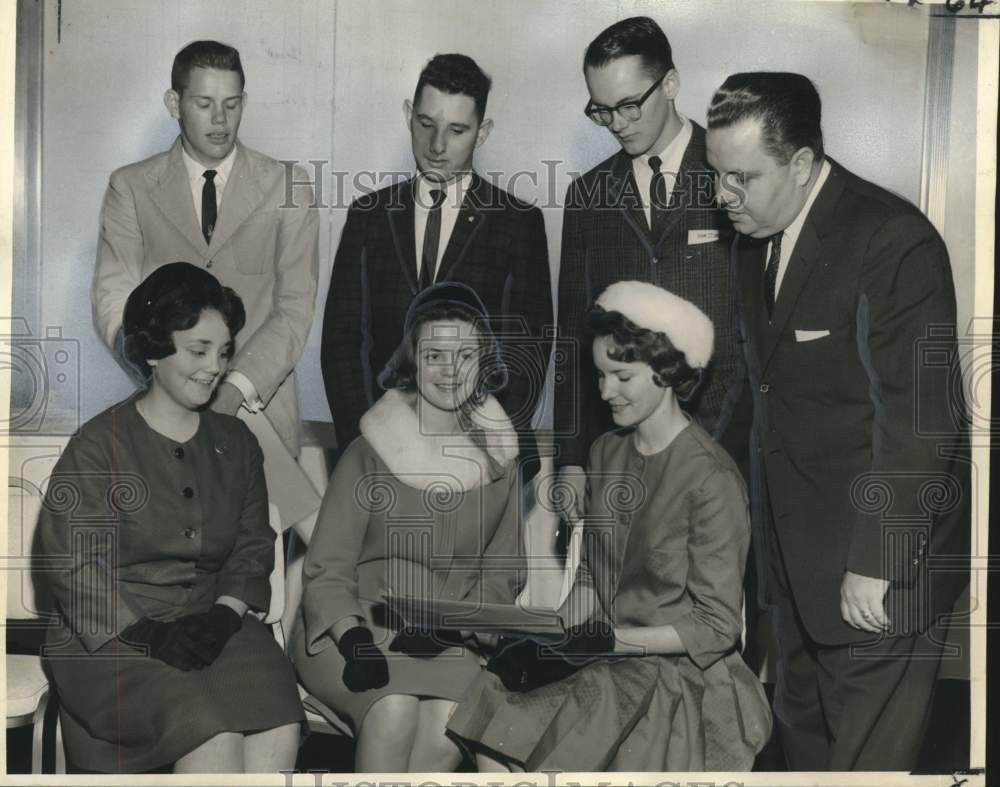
478,617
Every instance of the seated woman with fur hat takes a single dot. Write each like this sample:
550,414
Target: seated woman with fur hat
425,502
648,677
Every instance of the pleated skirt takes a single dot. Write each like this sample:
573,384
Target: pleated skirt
652,713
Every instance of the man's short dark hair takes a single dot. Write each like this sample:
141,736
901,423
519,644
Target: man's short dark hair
787,106
204,54
456,74
637,35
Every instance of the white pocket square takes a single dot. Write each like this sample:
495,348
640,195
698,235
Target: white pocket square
809,336
696,237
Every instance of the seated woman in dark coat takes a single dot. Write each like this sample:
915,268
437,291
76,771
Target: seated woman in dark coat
161,508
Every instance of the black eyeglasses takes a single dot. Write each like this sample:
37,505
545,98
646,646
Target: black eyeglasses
630,110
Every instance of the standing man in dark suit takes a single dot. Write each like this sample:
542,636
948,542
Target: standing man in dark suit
647,213
215,203
839,282
444,224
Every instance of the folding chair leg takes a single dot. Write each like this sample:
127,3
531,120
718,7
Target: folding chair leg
37,734
60,751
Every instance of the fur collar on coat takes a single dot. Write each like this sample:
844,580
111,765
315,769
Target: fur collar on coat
424,460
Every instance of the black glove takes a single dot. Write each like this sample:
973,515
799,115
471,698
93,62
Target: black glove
167,641
365,667
585,642
523,664
212,629
424,643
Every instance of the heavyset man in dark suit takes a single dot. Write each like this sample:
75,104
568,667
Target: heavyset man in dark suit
839,282
445,224
647,213
214,202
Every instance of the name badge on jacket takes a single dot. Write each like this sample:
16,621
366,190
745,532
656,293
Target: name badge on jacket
697,237
810,336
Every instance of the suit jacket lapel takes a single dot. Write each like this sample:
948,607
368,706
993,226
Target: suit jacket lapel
623,194
471,218
750,273
675,210
241,196
172,195
685,186
807,250
400,215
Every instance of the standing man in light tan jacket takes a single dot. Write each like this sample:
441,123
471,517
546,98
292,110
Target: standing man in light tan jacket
213,202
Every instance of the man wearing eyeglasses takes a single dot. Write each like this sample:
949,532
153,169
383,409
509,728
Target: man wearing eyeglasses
647,213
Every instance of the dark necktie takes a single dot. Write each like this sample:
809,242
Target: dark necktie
658,197
771,273
432,235
209,207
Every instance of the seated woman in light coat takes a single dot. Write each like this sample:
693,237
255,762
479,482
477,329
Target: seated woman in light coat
425,502
648,677
160,505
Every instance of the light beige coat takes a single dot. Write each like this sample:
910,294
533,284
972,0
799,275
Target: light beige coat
265,247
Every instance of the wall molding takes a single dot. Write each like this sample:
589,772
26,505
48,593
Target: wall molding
937,119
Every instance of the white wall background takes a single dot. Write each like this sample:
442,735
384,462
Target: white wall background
326,80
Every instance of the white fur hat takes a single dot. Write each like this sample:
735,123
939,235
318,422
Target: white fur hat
656,309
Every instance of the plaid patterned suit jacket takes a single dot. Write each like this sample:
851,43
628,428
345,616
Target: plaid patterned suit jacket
606,239
497,247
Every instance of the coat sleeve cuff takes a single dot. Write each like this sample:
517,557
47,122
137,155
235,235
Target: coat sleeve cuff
704,646
865,553
251,401
254,592
321,616
93,640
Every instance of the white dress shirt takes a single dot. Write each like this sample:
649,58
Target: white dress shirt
670,163
791,233
454,194
196,172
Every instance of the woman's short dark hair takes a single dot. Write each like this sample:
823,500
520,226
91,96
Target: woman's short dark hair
401,372
636,344
170,299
